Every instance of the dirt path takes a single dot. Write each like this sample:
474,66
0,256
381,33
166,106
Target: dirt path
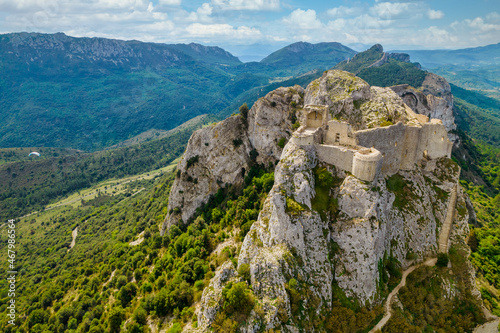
394,292
489,327
445,230
139,240
74,233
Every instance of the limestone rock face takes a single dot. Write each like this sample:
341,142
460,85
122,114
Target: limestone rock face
212,295
270,120
433,99
213,158
351,99
291,240
323,240
221,153
338,90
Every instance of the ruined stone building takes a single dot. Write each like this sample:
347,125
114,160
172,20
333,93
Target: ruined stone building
369,152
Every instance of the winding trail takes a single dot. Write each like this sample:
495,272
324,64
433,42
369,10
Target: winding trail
450,214
74,233
394,292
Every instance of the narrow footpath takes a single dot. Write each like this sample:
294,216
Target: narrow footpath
443,248
394,292
74,233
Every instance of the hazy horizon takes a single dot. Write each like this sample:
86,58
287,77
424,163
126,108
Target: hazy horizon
253,28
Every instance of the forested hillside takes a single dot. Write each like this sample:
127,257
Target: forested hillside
91,93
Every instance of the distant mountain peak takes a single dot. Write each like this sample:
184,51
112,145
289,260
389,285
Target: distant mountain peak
376,48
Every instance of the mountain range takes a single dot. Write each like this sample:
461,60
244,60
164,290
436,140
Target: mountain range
100,91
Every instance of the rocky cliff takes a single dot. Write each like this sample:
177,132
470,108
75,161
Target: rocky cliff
223,153
433,99
322,234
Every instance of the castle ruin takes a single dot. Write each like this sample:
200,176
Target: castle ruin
368,153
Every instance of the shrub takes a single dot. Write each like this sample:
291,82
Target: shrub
244,272
244,111
281,143
176,328
116,317
237,142
199,285
127,293
140,316
237,298
293,207
191,161
442,260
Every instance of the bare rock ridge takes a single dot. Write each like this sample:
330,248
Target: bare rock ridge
221,153
367,175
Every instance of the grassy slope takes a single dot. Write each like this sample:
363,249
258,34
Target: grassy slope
30,185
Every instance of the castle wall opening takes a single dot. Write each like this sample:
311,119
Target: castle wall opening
314,119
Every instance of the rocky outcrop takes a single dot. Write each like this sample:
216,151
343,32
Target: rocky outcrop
215,155
404,57
351,99
291,239
212,295
320,228
433,99
222,153
270,120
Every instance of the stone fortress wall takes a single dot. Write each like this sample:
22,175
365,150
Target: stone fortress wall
370,152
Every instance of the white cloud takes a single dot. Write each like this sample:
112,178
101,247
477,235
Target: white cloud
202,14
343,11
388,10
170,2
263,5
435,14
210,30
480,24
303,20
216,22
494,17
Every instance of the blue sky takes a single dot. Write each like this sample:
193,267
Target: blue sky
258,26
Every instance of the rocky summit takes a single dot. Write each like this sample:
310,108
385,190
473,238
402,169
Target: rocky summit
363,176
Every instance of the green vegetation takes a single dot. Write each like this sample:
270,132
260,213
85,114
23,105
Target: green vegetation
31,185
346,315
479,158
97,103
393,73
362,60
442,260
485,245
484,79
481,123
281,143
390,273
237,302
324,203
305,57
192,161
293,207
436,300
244,111
401,189
9,155
103,282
